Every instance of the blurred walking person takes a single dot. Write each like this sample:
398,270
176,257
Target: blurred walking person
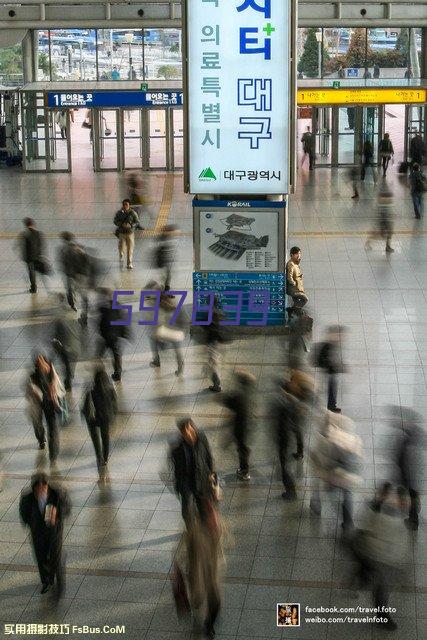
380,548
45,395
99,409
241,403
386,152
193,469
213,336
205,557
368,160
165,252
309,147
329,359
384,228
67,340
417,149
126,221
163,334
410,462
75,265
289,411
110,335
418,186
354,175
32,244
43,509
335,455
134,185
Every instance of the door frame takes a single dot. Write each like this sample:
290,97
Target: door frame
98,139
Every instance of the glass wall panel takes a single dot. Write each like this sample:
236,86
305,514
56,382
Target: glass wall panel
120,54
43,68
388,53
336,42
162,53
73,54
11,65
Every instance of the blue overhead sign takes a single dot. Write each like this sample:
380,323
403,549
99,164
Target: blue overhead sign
105,99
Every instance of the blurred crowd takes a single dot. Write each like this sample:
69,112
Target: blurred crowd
305,422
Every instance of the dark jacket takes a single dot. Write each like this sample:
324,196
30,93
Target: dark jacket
123,218
193,466
67,330
328,357
74,261
386,146
416,149
368,150
240,403
32,245
104,400
110,332
417,180
288,417
30,515
164,252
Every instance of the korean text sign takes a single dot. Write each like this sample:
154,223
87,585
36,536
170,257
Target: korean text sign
238,102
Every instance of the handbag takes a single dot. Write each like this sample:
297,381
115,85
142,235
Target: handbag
43,266
165,334
217,492
86,125
107,131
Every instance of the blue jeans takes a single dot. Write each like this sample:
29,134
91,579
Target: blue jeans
418,203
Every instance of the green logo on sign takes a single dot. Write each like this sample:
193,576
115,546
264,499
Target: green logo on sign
207,174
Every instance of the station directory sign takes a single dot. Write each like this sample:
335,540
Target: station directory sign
238,84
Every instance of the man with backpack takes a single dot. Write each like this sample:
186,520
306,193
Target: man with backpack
418,186
126,221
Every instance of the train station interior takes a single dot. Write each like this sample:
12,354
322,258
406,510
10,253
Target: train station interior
360,73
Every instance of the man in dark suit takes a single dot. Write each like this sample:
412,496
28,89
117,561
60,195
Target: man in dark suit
43,510
32,246
193,468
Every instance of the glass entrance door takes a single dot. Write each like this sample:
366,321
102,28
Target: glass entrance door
157,138
59,142
106,131
34,135
134,139
415,120
322,126
177,138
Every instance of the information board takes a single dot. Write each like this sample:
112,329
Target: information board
237,241
238,95
220,282
356,96
100,99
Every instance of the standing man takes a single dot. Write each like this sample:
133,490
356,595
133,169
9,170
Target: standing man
193,469
294,280
416,149
32,246
43,510
126,221
418,186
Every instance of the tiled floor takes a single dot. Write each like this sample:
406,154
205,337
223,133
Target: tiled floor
120,541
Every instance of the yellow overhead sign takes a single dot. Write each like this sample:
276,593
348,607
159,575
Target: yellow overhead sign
362,96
